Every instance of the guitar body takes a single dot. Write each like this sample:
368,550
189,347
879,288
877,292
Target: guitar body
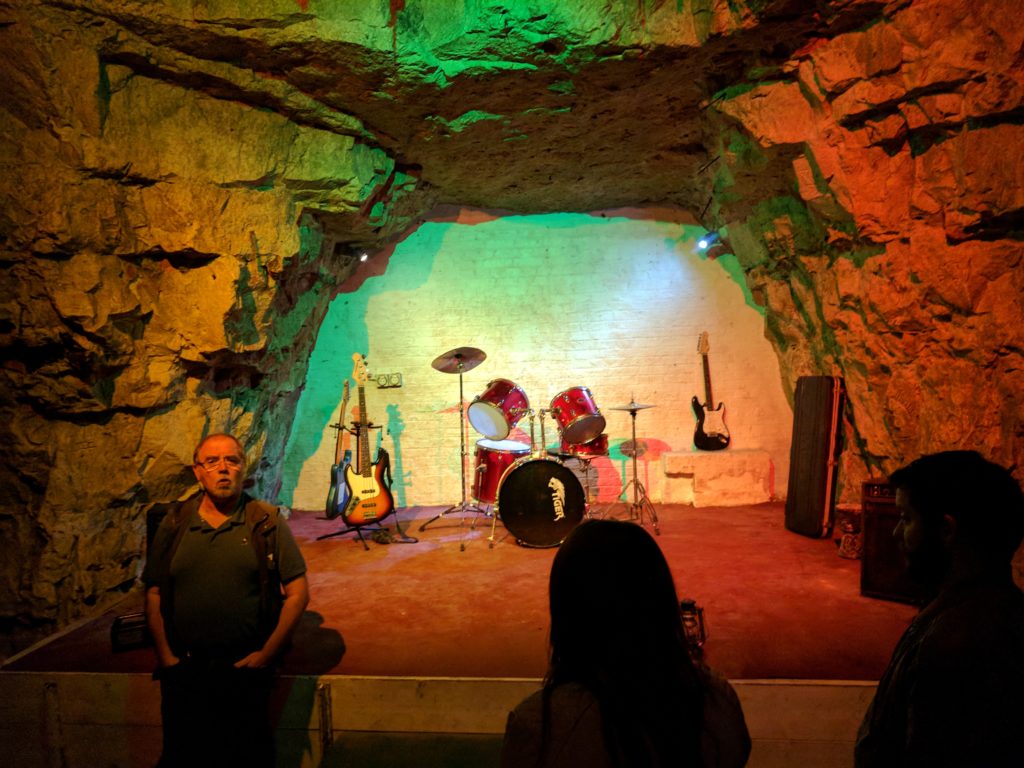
338,495
711,433
370,498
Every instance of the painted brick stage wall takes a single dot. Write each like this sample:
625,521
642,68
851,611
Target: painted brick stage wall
609,302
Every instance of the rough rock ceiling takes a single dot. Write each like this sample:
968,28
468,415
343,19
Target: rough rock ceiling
491,105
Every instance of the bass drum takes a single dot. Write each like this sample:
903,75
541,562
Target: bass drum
539,501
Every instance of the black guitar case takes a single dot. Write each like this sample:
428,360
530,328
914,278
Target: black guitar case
813,460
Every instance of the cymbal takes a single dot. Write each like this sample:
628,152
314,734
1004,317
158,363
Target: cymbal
469,357
631,407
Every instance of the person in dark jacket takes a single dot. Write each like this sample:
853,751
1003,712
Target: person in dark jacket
953,693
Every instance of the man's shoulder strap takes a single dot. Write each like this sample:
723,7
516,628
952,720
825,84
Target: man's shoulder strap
259,515
181,512
176,521
262,519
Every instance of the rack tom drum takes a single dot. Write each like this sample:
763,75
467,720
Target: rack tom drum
498,408
579,420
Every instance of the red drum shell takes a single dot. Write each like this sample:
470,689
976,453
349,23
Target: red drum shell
579,420
498,408
596,447
493,457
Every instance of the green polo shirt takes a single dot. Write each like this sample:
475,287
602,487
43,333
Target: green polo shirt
215,578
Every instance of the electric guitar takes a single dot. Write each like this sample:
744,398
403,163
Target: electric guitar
711,433
337,496
370,497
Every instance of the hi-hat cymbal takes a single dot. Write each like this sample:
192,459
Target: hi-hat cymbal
459,359
631,407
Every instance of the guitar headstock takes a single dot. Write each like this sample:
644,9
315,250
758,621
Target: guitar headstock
344,394
703,347
359,369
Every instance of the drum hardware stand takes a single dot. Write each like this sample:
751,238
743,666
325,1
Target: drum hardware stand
641,501
543,440
458,361
585,461
494,508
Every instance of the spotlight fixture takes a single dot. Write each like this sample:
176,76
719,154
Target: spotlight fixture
707,241
364,256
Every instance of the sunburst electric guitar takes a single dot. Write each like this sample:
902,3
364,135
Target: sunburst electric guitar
370,497
711,433
337,496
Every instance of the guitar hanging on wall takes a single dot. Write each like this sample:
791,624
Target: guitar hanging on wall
711,433
337,496
370,497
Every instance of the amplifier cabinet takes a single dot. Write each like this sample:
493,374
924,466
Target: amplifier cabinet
883,571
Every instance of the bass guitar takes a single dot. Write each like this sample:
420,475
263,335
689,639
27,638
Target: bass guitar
337,496
370,497
711,433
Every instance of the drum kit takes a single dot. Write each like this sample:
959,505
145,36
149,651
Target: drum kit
538,498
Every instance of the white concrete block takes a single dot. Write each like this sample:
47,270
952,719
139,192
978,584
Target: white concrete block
718,478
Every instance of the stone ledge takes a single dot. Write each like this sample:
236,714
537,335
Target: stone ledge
718,478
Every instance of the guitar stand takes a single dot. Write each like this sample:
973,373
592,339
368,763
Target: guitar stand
384,537
359,532
463,505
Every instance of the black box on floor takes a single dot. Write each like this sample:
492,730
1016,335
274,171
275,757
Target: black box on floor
883,572
129,631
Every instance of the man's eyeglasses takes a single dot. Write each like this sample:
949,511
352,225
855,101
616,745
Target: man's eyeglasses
212,463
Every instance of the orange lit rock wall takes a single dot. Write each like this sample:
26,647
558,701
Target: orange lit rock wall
184,187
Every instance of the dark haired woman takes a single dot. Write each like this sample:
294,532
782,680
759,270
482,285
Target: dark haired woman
622,689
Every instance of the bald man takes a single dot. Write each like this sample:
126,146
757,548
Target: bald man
225,588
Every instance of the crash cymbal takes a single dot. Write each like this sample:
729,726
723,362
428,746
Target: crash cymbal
469,357
631,407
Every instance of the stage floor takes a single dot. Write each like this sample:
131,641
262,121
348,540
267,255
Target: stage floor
777,605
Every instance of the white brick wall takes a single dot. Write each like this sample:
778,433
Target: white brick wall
614,304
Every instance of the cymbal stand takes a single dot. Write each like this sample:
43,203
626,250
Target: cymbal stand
641,501
463,505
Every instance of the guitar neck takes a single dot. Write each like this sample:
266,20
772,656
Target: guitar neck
708,399
365,467
340,443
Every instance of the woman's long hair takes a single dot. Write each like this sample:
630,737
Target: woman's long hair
616,630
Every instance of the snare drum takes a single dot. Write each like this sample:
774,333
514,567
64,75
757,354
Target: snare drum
493,457
539,501
494,412
596,447
578,419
